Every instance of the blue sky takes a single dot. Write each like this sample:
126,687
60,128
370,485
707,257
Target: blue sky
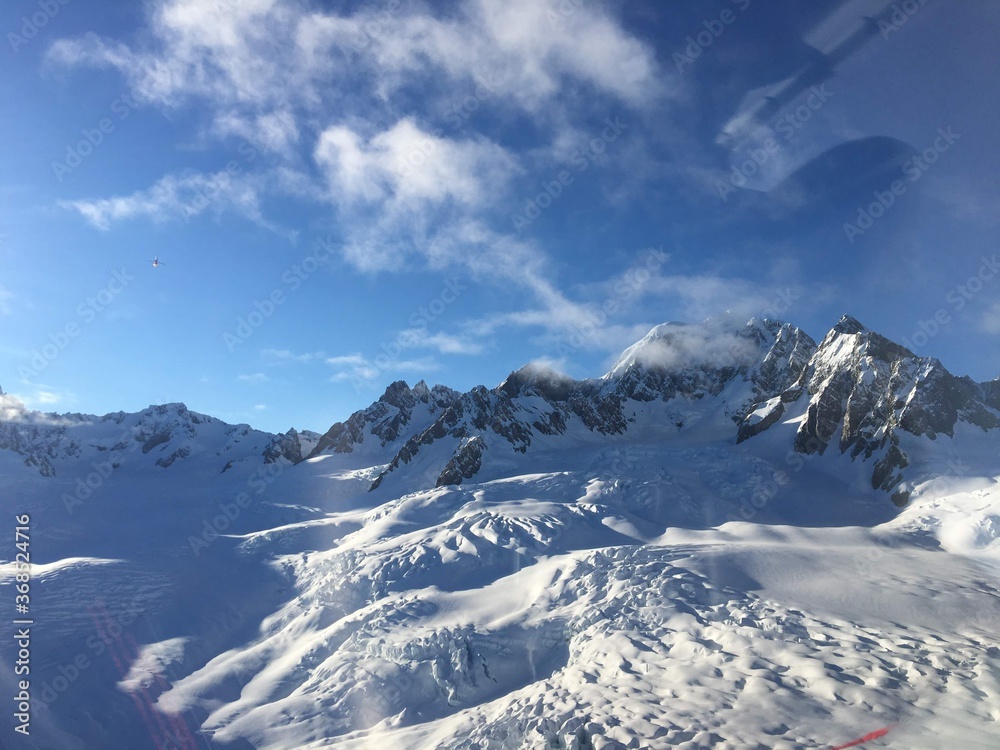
346,194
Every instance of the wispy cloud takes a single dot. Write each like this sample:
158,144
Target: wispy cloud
408,168
270,53
358,368
285,356
180,197
275,131
989,321
43,398
5,298
406,191
277,73
445,343
397,190
257,377
677,345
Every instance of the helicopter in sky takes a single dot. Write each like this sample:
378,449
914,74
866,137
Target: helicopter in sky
156,262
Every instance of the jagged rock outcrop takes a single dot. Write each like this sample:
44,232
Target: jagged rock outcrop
292,446
856,391
167,433
864,389
464,464
672,362
397,412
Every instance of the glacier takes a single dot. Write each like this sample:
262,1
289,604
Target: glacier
737,537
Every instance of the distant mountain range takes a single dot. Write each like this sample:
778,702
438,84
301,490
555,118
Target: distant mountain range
737,537
855,393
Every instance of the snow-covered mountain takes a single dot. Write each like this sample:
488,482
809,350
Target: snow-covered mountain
856,389
166,433
737,538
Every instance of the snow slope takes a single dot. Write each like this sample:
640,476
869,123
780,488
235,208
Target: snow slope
684,581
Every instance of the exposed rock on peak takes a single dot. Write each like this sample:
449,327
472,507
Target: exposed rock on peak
856,390
849,325
863,389
673,363
166,433
538,380
397,413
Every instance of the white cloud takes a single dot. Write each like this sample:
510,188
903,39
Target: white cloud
275,131
523,49
600,317
230,53
272,53
409,169
360,369
285,356
444,343
257,377
40,398
676,345
282,75
5,297
989,321
179,197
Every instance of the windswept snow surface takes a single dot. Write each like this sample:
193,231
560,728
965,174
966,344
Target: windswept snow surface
674,583
629,599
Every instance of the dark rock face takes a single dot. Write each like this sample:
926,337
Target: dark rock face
534,402
749,429
864,390
36,445
464,464
857,391
167,433
386,419
287,446
154,441
177,454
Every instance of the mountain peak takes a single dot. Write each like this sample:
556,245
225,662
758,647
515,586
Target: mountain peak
397,394
540,378
850,325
